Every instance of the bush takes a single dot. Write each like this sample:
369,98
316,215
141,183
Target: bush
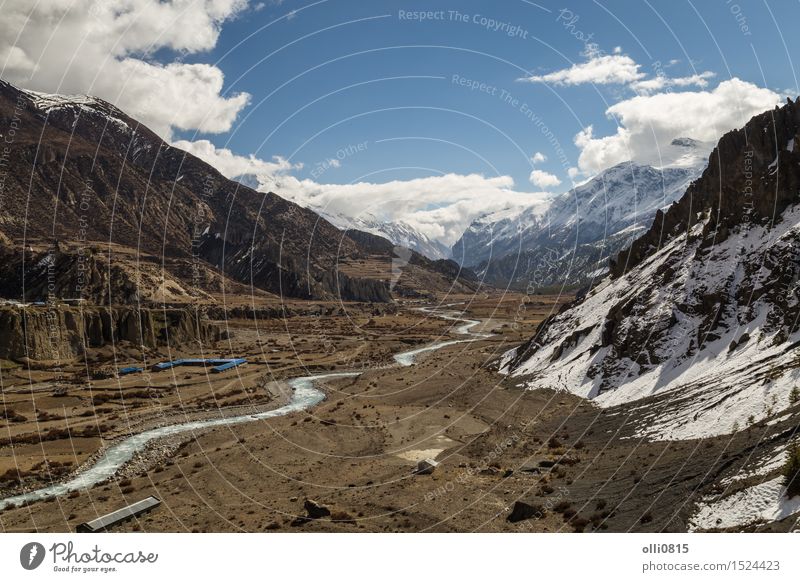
791,471
794,395
579,523
11,415
343,517
562,506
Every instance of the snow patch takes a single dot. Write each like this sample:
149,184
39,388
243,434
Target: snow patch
765,502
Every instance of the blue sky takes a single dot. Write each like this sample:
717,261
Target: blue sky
354,107
393,77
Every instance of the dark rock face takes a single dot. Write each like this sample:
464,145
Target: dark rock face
751,177
58,332
315,510
367,290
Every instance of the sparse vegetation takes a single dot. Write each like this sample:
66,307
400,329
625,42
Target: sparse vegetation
794,395
11,415
791,471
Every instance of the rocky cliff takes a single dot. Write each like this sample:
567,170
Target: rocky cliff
62,333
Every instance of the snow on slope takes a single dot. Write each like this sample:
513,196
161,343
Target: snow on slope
111,125
398,232
764,502
696,330
723,390
570,237
78,105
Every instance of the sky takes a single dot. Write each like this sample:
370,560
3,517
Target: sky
432,113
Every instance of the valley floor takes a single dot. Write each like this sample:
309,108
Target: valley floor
578,467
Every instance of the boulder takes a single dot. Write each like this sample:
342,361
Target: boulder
426,467
315,510
522,511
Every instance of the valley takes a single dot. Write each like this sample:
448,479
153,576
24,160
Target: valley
579,467
643,381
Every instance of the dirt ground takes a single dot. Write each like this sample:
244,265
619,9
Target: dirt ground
575,465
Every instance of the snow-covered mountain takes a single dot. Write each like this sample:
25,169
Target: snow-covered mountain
398,232
703,308
569,239
695,332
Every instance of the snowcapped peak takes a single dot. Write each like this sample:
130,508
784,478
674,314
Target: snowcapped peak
47,102
397,231
50,103
588,224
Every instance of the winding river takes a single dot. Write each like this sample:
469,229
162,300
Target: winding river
305,394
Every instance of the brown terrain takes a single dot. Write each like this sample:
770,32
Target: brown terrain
551,460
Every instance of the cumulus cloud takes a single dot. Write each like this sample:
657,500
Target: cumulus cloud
649,123
618,69
232,165
598,69
544,180
662,82
441,207
538,158
111,49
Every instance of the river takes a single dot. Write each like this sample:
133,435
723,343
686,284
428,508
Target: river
305,395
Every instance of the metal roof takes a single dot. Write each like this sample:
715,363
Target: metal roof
115,517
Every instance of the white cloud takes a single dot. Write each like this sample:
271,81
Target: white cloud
441,207
649,123
614,69
662,82
618,69
106,48
232,165
538,158
544,180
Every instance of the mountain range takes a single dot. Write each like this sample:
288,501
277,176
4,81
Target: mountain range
569,238
698,317
399,232
97,205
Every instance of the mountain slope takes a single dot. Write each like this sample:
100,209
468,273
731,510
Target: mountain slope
569,239
698,319
398,232
87,189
